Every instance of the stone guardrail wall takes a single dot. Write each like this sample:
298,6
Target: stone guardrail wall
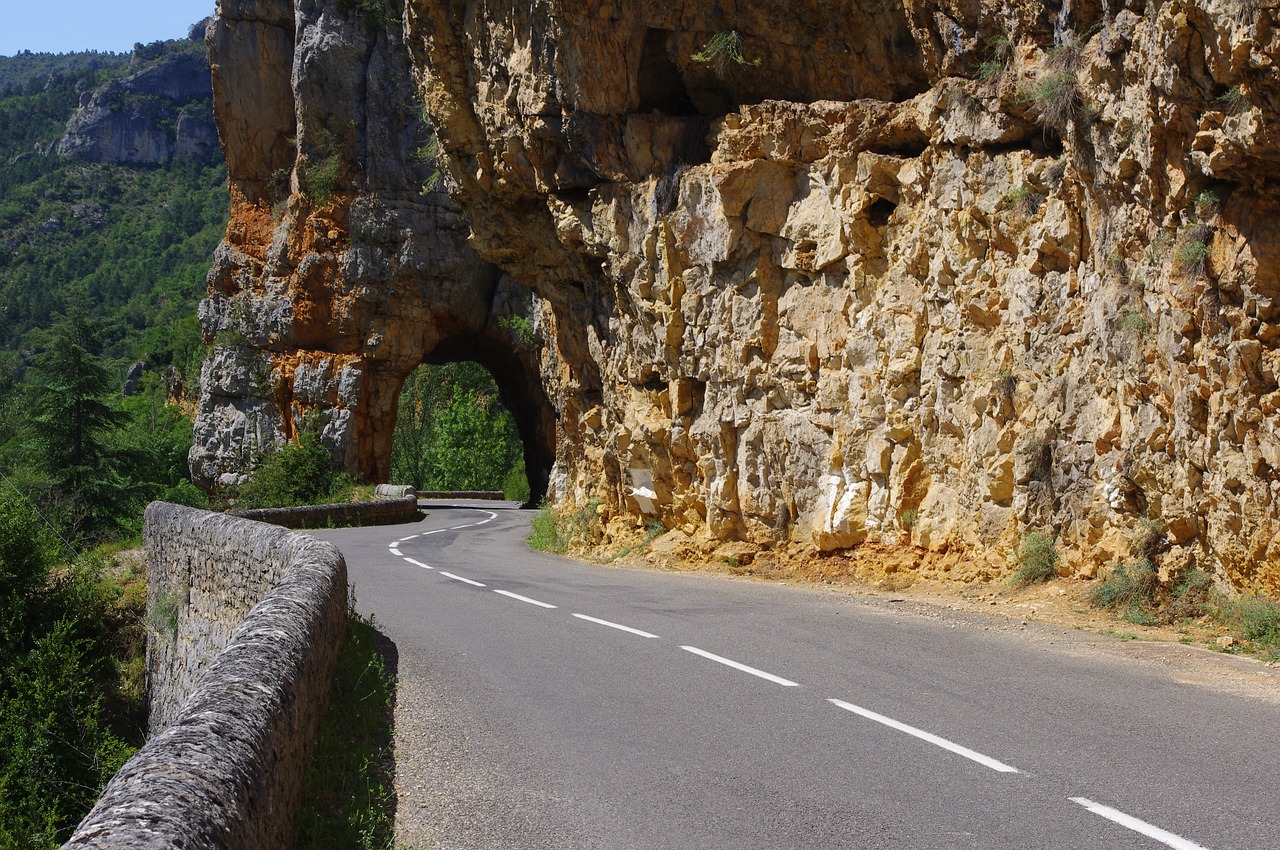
491,495
380,512
230,738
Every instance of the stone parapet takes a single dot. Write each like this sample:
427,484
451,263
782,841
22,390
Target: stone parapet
230,737
380,512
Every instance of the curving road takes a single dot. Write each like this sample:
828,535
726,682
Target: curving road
545,703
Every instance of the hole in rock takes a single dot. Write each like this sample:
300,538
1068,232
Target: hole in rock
879,212
661,87
473,418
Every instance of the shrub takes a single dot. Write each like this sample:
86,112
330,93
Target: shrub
1128,586
320,179
1191,257
1037,559
1055,97
1258,619
545,535
300,473
1132,320
723,48
1234,101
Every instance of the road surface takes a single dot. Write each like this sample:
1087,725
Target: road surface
545,703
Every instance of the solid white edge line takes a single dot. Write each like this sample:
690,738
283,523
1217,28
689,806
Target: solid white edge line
523,598
460,578
420,564
787,683
1130,822
972,755
396,552
614,626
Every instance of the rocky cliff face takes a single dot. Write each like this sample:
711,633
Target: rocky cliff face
345,265
817,274
157,115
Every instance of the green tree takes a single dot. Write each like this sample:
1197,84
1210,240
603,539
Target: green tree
453,431
71,421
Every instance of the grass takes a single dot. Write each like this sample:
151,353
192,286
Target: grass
350,798
652,533
1234,101
1191,257
1132,320
999,52
554,532
320,179
1037,559
1055,97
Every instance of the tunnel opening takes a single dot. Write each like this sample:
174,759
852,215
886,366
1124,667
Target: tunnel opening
470,419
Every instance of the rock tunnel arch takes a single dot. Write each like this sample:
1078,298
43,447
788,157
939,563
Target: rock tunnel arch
508,362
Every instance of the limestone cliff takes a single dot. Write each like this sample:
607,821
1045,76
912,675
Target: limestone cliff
936,272
159,113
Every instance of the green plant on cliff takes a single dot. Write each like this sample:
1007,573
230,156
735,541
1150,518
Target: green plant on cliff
722,49
373,11
999,52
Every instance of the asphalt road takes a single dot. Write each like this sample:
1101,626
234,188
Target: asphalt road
545,703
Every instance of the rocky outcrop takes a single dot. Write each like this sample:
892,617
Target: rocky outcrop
345,265
157,115
936,273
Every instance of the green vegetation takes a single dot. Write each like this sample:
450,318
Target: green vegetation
454,433
1037,559
1132,320
320,178
1234,101
555,532
999,52
301,472
71,694
652,532
723,48
350,796
1191,256
373,11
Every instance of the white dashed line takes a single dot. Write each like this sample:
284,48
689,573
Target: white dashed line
396,552
1130,822
524,598
420,564
460,527
437,531
461,579
972,755
614,626
405,539
744,668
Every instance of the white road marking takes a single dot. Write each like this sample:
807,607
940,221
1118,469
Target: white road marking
460,527
1130,822
420,564
437,531
460,578
404,539
744,668
524,598
615,626
396,552
972,755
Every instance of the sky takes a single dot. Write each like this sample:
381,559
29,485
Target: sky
65,26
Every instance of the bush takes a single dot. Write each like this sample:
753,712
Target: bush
1128,586
1055,97
554,532
1037,559
301,473
545,535
1258,619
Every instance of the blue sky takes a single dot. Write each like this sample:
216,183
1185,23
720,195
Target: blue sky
63,26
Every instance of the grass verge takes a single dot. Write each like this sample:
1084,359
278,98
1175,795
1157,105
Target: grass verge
350,801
